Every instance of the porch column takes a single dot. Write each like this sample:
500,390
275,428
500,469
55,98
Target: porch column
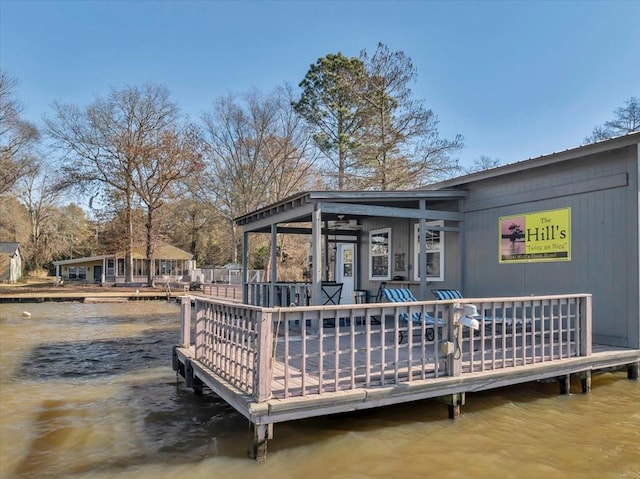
245,261
274,268
325,260
316,255
462,245
422,264
57,275
104,271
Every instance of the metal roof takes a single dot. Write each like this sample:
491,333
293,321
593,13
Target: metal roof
87,259
540,161
298,207
9,247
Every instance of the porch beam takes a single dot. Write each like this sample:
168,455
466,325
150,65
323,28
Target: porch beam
300,230
279,217
389,211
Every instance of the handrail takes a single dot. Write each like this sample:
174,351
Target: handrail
310,350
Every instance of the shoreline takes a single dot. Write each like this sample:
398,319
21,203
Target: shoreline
42,292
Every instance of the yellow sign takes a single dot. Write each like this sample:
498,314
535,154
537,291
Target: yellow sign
535,237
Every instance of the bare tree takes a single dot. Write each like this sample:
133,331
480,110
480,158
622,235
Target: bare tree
399,144
17,136
483,163
193,222
40,200
169,160
626,120
14,221
258,151
105,141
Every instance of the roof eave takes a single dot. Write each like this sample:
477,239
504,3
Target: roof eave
536,162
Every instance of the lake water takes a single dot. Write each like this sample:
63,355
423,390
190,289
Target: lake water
87,391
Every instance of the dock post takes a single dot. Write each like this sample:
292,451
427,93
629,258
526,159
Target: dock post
198,386
261,434
185,322
189,375
585,380
454,401
565,384
633,371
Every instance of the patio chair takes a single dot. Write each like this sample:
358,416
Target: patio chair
331,293
446,294
404,295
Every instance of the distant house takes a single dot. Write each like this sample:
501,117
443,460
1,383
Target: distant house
10,262
170,264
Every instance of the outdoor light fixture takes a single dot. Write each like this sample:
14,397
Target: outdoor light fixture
469,316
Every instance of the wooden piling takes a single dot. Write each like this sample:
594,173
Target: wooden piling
585,381
198,386
261,434
453,402
633,371
565,384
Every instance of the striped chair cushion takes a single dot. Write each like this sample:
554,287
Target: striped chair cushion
447,293
404,295
400,295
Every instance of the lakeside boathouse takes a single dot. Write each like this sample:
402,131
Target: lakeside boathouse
525,272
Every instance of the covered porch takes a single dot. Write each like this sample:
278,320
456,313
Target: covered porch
351,246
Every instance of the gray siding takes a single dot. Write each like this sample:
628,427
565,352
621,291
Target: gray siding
602,192
402,243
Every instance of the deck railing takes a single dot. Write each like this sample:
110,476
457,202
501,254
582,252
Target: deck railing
304,351
223,291
278,294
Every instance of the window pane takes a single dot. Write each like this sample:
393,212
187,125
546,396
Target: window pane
379,254
433,264
379,266
434,242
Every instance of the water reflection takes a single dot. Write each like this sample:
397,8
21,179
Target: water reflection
99,357
87,392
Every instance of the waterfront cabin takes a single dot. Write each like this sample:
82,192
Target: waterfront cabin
541,254
171,265
10,262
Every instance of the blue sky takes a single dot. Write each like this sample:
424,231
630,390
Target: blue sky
516,79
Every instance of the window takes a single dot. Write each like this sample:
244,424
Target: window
111,267
77,272
139,267
435,252
380,254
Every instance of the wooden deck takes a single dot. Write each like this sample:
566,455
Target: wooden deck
282,364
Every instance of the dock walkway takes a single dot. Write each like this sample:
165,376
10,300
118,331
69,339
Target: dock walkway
86,294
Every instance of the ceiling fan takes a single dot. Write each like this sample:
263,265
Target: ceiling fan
344,224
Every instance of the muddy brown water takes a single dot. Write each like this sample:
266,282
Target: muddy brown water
87,391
